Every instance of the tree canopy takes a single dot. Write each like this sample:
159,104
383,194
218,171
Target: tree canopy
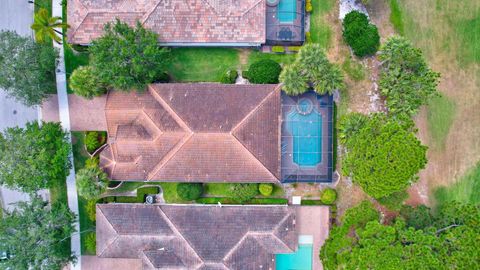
405,78
44,26
383,156
91,182
190,191
311,69
27,69
85,83
128,58
263,71
449,243
360,34
33,235
34,157
242,192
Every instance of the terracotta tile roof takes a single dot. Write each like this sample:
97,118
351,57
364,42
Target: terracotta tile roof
194,132
196,237
176,21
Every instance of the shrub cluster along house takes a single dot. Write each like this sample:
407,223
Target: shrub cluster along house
207,133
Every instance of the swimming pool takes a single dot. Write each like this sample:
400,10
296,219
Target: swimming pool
287,11
300,260
305,126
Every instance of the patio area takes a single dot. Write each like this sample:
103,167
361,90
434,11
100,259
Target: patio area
285,22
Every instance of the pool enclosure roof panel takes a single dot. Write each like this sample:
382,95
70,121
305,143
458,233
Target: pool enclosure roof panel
306,141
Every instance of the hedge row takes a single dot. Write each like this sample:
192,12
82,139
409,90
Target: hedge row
222,200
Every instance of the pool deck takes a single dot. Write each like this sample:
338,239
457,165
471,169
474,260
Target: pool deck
314,220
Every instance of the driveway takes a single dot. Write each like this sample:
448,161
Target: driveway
14,15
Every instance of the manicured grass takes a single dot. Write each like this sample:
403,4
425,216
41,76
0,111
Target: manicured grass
396,17
86,225
466,190
221,190
468,32
320,31
441,112
353,69
169,190
283,59
78,147
201,64
223,200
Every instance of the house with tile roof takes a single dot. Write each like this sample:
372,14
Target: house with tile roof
194,133
195,236
239,23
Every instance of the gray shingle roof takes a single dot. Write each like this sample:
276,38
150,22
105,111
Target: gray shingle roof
196,237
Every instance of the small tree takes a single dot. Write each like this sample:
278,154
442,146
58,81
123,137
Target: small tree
419,217
35,234
44,26
189,191
91,243
384,156
34,157
91,182
242,192
360,34
394,201
85,83
405,79
92,210
229,77
311,69
128,58
91,141
27,69
263,72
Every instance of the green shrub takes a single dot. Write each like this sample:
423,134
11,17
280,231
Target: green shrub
268,201
91,243
294,48
360,35
308,37
163,77
91,141
329,196
353,69
214,200
91,182
308,6
85,83
91,209
278,49
312,202
419,217
189,191
92,162
242,193
265,189
263,72
394,201
229,77
79,48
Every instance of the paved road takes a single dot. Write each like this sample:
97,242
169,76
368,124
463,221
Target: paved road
14,15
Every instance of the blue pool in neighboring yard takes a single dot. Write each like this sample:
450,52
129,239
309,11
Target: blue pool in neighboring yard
305,125
287,11
300,260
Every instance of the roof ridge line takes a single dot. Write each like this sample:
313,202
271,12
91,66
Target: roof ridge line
169,109
148,13
177,232
116,232
256,159
169,156
235,247
250,9
160,132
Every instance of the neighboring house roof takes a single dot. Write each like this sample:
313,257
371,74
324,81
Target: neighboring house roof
194,133
176,21
196,237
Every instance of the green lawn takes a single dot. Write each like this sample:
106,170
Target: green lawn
255,56
468,32
80,155
221,190
466,190
441,112
320,31
396,16
202,64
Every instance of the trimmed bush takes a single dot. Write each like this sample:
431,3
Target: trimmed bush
278,49
265,189
308,6
189,191
294,48
329,196
242,193
91,243
263,72
312,202
91,141
360,34
308,37
91,209
92,162
229,77
91,182
85,83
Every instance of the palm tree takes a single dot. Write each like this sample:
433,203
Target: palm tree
44,26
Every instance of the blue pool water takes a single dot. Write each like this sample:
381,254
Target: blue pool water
300,260
306,130
287,11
